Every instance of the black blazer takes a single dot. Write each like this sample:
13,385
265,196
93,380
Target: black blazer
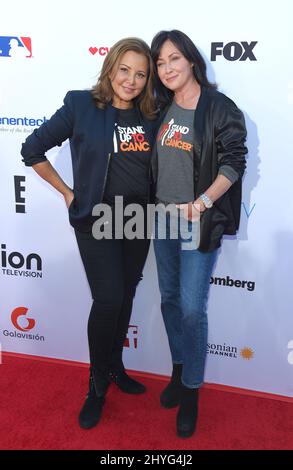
90,133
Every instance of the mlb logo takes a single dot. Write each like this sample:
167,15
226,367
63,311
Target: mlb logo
13,46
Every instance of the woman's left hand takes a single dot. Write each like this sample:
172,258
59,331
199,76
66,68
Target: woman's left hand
68,197
192,210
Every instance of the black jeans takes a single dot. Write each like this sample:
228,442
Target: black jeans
113,268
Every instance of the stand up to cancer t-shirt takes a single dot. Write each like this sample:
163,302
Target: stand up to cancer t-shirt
128,172
175,156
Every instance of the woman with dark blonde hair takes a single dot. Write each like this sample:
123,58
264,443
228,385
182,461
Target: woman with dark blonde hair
110,130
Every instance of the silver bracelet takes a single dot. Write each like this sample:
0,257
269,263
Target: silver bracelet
208,203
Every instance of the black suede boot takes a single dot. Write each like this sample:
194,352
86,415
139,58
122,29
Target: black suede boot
126,383
188,411
91,411
170,396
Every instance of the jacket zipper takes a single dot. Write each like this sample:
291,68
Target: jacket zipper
106,174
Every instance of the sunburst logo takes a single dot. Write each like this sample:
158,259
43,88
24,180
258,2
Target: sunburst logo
247,353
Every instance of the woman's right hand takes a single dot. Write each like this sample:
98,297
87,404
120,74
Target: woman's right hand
68,196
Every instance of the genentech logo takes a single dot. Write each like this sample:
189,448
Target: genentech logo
102,51
290,355
31,263
23,325
15,124
230,352
233,51
19,198
229,282
16,47
132,337
19,313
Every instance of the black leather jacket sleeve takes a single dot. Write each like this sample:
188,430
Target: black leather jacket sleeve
230,136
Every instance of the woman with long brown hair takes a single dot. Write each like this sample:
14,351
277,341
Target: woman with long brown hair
198,164
110,130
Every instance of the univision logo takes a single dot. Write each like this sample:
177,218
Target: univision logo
31,263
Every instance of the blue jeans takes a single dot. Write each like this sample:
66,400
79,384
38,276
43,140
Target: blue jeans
184,281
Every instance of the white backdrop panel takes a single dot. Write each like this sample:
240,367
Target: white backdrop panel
251,323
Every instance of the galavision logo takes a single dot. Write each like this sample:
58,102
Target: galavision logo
23,324
21,312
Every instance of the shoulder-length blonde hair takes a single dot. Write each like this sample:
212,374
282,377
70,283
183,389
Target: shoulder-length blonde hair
102,92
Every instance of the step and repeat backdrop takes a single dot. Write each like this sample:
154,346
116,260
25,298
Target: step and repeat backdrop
50,47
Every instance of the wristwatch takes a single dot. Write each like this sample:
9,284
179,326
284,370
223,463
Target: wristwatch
206,200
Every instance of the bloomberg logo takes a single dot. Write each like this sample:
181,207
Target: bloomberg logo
233,51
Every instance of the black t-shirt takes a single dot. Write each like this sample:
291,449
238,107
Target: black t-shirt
129,164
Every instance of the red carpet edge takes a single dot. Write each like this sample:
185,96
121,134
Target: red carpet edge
211,386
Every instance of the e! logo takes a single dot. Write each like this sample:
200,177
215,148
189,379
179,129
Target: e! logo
19,199
233,50
19,312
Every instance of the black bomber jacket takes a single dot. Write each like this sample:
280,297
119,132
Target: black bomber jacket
220,134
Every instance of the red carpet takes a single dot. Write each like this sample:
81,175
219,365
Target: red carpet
40,402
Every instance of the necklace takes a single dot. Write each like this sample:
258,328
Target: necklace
189,103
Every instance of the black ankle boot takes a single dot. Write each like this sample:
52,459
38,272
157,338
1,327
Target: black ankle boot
91,411
126,383
188,411
170,396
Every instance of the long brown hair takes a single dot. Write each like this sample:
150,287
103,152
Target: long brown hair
191,53
102,92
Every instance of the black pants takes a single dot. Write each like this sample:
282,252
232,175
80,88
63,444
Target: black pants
113,269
